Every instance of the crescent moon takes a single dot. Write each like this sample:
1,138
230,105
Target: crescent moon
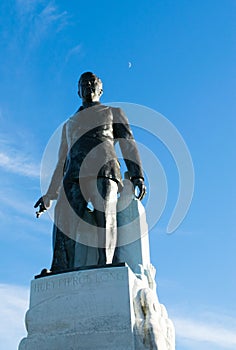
130,64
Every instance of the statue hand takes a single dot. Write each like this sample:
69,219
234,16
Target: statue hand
43,203
138,182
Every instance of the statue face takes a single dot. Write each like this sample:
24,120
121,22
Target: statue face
90,88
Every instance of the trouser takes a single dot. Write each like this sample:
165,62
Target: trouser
71,205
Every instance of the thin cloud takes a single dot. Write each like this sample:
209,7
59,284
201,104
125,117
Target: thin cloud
51,14
16,210
48,17
9,200
38,18
75,51
192,331
18,163
14,304
15,156
23,211
27,6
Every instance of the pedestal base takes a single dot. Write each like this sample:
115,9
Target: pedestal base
94,309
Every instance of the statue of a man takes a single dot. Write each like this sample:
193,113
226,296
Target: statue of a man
88,171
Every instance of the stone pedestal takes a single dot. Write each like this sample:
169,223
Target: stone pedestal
95,309
81,310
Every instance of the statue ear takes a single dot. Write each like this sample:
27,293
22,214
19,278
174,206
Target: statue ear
79,93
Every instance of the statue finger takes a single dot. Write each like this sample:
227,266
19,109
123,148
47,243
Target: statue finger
38,202
42,207
142,192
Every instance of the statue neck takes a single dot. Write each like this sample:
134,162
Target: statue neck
87,104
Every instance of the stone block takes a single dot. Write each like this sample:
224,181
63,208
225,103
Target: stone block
81,310
97,309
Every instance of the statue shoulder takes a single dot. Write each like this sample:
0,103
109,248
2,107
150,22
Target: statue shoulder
73,117
116,110
119,115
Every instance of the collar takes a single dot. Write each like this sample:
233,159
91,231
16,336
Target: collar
91,104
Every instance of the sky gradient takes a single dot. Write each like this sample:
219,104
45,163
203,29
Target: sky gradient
175,57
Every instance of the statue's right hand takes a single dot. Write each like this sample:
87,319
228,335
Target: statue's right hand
43,203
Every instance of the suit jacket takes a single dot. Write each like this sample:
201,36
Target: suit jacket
87,147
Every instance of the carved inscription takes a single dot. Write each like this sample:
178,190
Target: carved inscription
78,280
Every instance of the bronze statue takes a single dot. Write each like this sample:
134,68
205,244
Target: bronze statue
88,170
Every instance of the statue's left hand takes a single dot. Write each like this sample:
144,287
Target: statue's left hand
138,182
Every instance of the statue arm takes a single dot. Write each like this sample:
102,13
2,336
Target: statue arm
57,176
123,133
44,202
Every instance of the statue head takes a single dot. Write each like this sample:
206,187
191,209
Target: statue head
89,87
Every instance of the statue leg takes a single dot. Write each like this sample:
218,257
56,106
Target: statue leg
70,207
59,260
104,200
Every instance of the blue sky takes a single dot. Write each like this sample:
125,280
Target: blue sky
182,56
